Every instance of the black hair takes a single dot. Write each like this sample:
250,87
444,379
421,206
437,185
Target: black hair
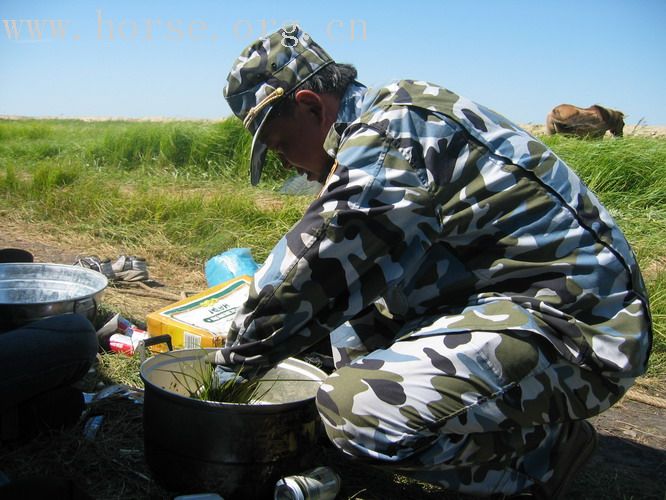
331,79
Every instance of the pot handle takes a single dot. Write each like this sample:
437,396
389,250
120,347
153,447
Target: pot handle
159,339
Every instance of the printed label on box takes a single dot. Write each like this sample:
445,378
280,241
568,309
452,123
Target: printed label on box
191,341
213,313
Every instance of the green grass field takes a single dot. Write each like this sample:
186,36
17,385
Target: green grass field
184,186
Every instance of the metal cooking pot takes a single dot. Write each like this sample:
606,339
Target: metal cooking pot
238,450
33,291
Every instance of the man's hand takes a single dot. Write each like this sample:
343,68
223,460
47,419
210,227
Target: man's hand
226,375
224,372
215,358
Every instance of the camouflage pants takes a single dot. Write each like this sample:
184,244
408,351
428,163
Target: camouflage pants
477,412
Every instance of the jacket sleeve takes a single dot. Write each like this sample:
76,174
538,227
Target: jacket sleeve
368,227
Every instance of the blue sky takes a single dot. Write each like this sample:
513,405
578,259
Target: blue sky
170,59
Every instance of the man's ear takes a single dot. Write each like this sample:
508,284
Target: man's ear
311,101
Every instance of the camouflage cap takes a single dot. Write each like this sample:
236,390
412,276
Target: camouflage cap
265,72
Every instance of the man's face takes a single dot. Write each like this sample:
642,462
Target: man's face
297,137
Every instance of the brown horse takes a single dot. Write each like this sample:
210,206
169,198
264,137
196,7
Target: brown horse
584,122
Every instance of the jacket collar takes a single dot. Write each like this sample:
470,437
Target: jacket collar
350,109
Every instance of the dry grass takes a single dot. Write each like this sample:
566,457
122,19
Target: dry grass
110,466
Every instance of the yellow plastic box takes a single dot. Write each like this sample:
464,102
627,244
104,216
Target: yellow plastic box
201,320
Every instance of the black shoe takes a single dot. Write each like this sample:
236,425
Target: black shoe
574,449
13,255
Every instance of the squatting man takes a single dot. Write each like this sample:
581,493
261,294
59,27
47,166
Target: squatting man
480,301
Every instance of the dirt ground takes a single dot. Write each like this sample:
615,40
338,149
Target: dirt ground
630,462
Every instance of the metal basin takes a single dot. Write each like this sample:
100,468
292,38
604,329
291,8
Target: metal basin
33,291
238,450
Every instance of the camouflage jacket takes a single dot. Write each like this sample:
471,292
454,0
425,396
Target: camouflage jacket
448,218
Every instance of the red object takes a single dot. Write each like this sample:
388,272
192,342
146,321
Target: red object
121,343
125,344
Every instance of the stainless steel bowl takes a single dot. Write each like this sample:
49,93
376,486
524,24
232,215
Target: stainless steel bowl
32,291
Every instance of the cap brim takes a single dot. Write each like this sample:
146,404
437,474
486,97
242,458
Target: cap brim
258,153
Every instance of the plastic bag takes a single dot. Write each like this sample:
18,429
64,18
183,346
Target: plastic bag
230,264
